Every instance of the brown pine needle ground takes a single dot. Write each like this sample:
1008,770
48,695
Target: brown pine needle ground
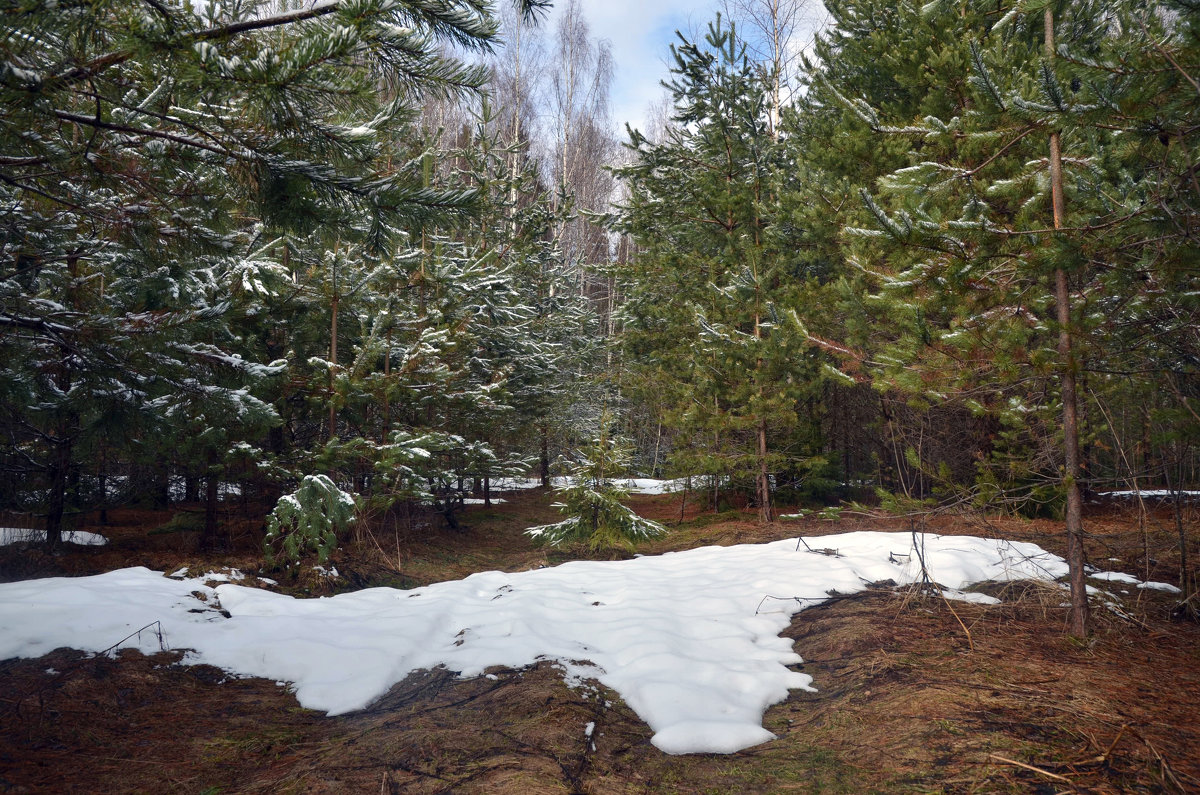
904,703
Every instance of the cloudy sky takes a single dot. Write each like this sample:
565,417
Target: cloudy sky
641,32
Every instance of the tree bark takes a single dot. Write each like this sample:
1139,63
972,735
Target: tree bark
387,380
765,513
1071,476
65,429
1176,496
211,494
59,465
333,353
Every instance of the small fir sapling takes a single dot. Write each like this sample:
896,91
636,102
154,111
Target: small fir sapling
308,521
591,499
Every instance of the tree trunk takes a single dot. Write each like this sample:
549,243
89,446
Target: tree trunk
765,513
63,439
59,465
657,445
1071,476
63,442
211,494
387,380
333,352
160,486
1175,489
103,486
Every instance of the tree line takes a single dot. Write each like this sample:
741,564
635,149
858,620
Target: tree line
940,252
246,243
961,268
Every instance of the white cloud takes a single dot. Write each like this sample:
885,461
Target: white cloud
640,32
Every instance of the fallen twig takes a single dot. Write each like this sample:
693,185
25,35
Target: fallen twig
162,646
1104,756
1037,770
1167,772
970,640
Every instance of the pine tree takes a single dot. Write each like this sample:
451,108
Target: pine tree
709,278
147,150
992,250
453,351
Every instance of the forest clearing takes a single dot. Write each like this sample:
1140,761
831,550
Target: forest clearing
385,406
912,692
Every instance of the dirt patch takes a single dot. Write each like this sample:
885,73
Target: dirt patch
904,703
909,698
76,724
489,538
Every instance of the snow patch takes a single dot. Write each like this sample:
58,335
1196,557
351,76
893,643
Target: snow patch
1114,576
974,597
229,575
688,639
1154,493
21,535
1159,586
632,485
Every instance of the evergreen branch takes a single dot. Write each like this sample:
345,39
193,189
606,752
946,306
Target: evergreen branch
139,109
999,152
1162,51
88,71
34,324
92,121
984,77
1009,17
1088,228
1051,87
22,161
227,31
103,62
531,9
49,196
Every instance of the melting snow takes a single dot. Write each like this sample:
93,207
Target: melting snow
1156,493
19,535
1114,576
632,485
1160,586
689,639
970,596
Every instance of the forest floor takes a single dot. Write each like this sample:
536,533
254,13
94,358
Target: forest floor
912,695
